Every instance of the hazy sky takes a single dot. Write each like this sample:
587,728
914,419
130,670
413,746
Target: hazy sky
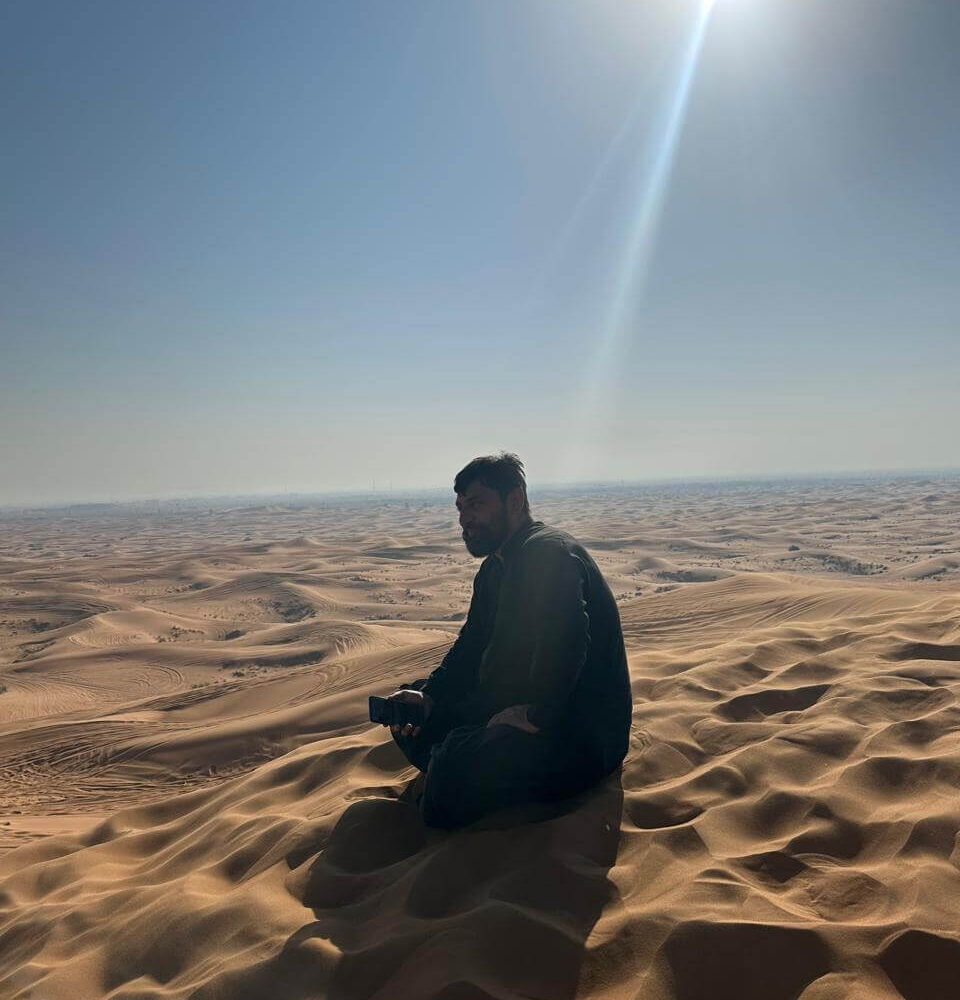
256,246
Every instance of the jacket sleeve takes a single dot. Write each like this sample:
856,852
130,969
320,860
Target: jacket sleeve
562,641
456,677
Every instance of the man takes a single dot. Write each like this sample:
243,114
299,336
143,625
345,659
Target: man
532,702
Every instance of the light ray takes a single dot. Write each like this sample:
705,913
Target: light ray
630,276
575,218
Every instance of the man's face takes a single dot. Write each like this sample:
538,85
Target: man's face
483,517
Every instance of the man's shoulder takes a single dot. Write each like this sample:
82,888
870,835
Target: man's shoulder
547,542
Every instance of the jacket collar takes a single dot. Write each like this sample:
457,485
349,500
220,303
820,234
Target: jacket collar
509,548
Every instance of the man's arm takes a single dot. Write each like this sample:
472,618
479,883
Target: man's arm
456,677
562,628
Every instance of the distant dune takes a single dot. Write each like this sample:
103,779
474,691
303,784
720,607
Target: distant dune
195,805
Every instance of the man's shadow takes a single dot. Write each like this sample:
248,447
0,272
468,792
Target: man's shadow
502,906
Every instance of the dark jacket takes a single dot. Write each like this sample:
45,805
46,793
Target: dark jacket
543,629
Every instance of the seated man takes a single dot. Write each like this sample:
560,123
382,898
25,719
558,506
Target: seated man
532,702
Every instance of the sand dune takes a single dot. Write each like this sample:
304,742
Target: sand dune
195,805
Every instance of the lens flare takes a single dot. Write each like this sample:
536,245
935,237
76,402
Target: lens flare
630,275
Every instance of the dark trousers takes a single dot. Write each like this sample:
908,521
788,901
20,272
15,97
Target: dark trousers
470,769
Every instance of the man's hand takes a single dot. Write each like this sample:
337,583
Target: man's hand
516,716
411,697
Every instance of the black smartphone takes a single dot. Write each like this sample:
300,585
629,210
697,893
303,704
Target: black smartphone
388,712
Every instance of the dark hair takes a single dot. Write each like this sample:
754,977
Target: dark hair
503,473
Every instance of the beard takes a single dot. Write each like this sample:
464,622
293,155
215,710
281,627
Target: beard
487,538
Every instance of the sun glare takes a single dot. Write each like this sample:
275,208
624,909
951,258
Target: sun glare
653,182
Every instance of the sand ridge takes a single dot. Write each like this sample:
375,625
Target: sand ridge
204,810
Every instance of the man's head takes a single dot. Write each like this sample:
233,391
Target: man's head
492,500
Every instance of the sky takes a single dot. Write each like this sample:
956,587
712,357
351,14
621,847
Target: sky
306,246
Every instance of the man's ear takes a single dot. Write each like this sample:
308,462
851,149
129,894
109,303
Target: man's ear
515,501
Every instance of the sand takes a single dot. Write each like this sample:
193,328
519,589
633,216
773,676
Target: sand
194,805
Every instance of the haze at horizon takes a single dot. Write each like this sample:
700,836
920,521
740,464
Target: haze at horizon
302,247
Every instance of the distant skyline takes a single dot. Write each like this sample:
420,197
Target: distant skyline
256,248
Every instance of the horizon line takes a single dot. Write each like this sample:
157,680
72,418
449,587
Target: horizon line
608,482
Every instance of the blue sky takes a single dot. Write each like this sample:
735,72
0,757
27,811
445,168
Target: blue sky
261,246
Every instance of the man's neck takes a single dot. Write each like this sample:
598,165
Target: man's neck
525,523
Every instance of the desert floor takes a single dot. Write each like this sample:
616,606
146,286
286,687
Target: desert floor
195,805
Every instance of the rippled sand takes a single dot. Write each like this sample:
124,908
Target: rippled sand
194,804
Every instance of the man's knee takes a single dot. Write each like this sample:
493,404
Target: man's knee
415,748
475,771
441,813
447,801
